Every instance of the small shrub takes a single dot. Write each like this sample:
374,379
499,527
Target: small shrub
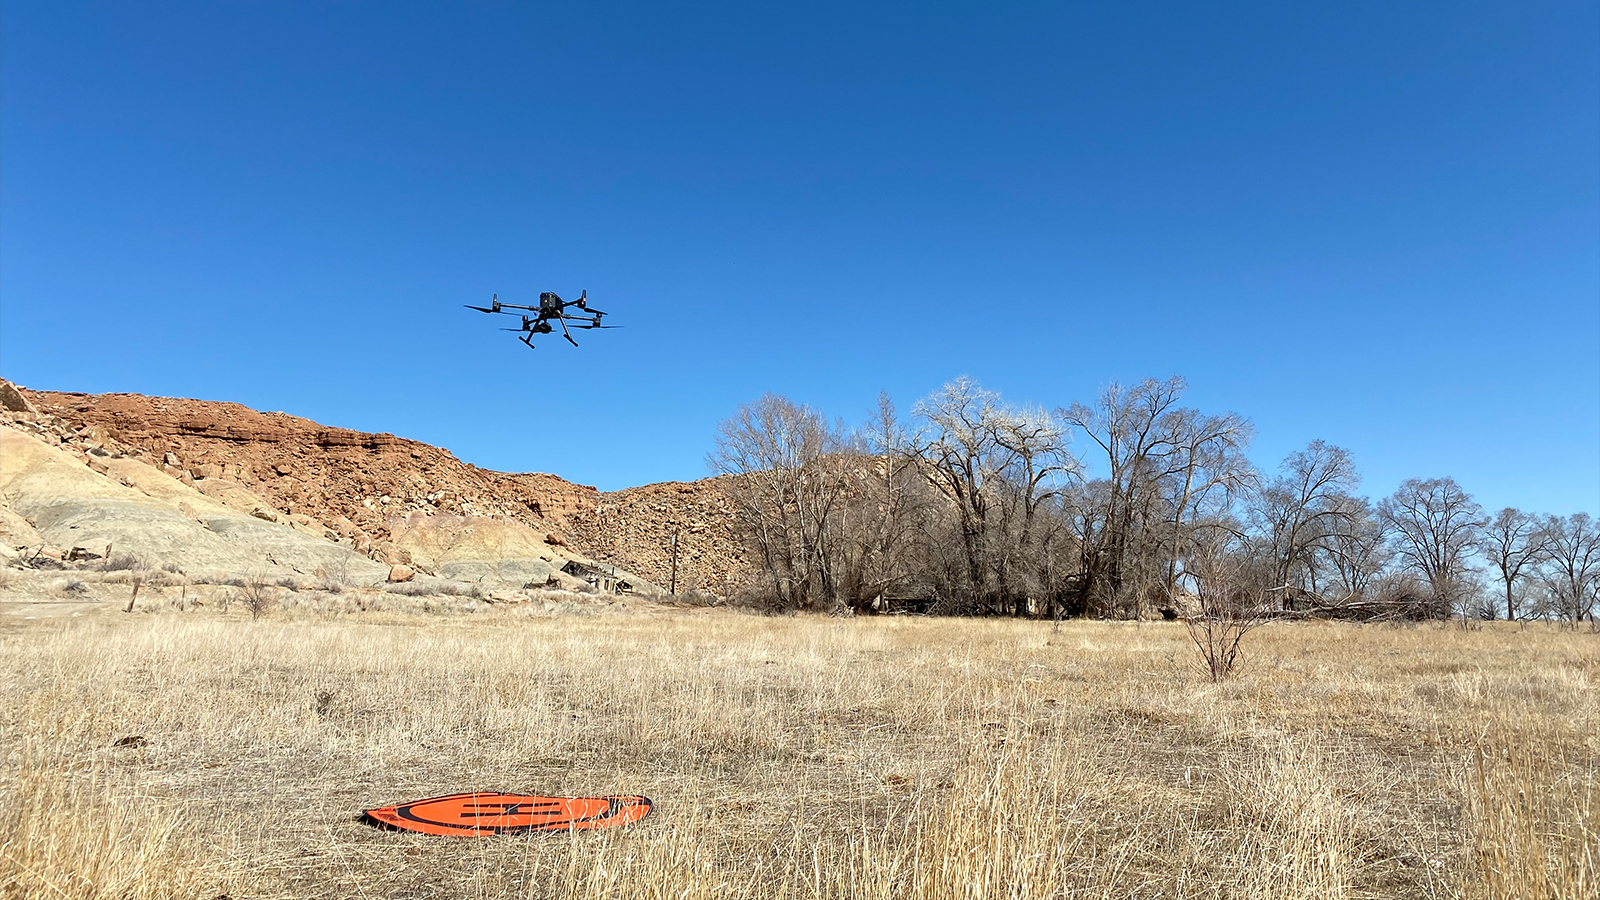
74,587
257,595
122,562
697,598
290,582
329,583
172,568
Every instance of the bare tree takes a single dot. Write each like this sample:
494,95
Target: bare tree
997,466
1359,552
1035,464
1435,525
788,492
1165,464
960,453
1514,542
1572,572
1207,467
257,593
1305,511
1127,426
882,515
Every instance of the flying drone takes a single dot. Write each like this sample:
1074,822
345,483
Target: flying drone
551,308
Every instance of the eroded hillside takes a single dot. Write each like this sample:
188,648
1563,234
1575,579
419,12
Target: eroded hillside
389,499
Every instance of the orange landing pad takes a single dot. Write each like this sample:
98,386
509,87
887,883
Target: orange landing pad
489,812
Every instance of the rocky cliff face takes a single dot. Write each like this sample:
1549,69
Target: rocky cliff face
393,500
635,526
353,483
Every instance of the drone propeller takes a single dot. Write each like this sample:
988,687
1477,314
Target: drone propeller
587,327
494,305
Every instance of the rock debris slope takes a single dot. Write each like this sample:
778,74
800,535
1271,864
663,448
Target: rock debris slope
219,486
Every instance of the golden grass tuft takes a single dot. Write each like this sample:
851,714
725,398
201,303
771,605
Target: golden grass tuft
66,831
1534,820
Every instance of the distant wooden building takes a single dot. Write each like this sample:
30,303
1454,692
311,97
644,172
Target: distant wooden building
609,579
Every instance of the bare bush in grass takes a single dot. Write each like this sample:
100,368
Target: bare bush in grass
72,587
1235,597
122,562
257,595
334,579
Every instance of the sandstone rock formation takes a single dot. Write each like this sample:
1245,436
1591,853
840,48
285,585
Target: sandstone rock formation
219,487
349,482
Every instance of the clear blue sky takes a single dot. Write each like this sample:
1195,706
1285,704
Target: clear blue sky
1376,224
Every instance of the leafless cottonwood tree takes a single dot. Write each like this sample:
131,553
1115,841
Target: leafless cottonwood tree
1206,471
997,466
1306,515
1514,542
1164,464
788,492
886,508
1572,570
1435,525
1126,425
1359,554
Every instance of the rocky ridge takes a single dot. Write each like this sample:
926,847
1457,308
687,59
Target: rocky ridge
346,484
390,499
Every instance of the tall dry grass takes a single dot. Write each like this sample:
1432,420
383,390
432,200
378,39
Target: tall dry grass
69,830
796,758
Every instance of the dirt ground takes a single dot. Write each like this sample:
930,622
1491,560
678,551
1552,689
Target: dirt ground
203,753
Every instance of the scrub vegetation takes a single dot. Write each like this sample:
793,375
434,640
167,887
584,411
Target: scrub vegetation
210,753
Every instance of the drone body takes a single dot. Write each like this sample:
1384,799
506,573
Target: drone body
551,308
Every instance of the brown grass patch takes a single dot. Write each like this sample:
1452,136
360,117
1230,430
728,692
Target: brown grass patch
798,757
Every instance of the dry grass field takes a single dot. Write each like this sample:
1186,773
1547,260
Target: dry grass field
793,757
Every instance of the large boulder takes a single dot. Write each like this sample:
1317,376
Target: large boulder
14,400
